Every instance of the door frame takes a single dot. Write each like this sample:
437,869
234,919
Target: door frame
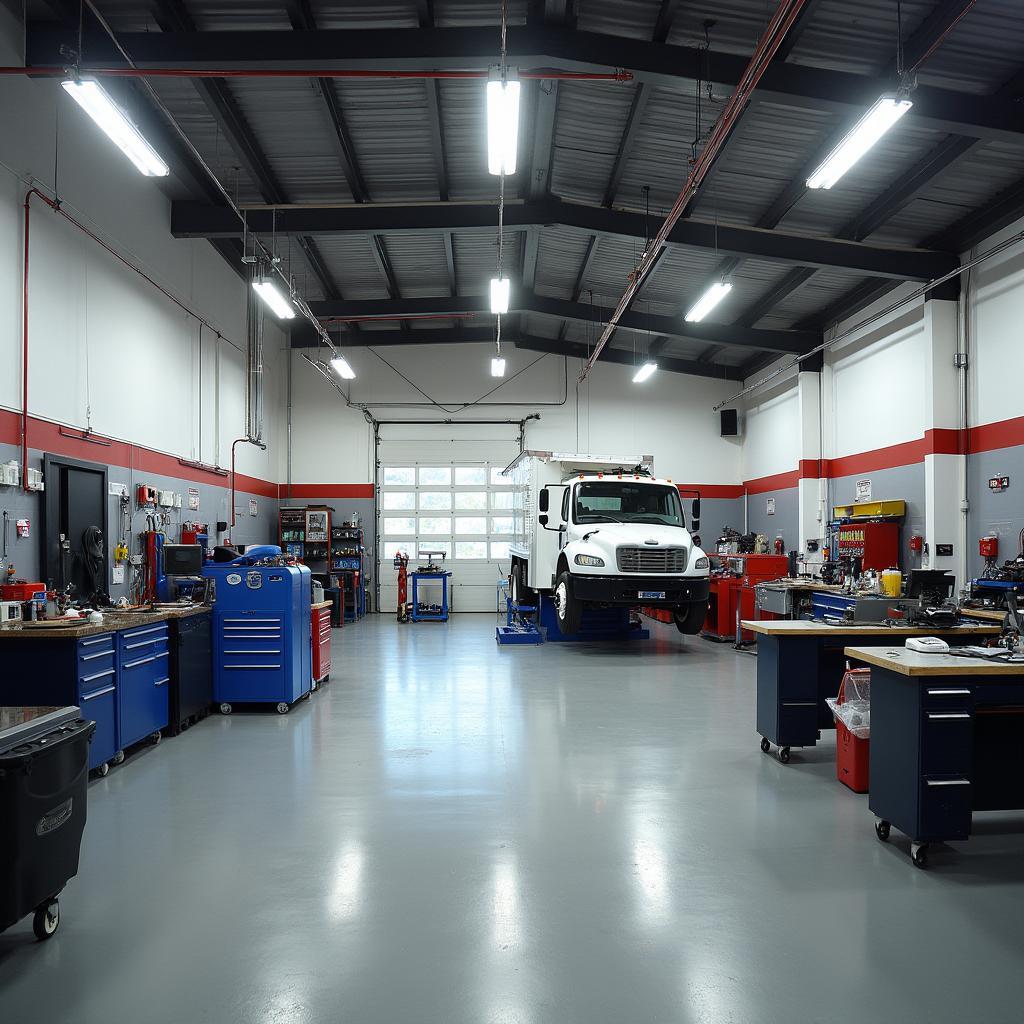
49,557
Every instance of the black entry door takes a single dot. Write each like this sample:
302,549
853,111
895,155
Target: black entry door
76,500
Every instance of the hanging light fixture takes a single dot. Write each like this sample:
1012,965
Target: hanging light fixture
885,112
644,372
113,121
498,366
500,292
502,120
707,302
342,367
271,295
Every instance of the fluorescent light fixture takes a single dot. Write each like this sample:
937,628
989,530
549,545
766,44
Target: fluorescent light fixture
707,302
279,305
342,367
644,372
498,366
92,98
867,131
500,291
502,121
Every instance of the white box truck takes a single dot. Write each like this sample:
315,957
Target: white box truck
603,531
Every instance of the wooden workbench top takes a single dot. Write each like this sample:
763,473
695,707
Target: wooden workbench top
986,614
75,629
788,583
916,663
317,605
803,627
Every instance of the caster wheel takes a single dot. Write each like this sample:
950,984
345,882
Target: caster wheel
882,830
765,746
119,757
46,920
282,708
225,709
919,854
784,755
103,770
155,738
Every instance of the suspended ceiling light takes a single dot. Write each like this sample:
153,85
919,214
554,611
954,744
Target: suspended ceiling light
502,120
271,295
500,291
865,133
498,366
92,98
707,302
342,367
644,372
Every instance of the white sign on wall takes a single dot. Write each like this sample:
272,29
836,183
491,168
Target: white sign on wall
862,490
193,498
771,506
253,508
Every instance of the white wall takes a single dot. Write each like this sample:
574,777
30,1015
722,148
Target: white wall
100,334
670,416
771,429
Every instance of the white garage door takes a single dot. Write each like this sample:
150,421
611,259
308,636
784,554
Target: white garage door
446,493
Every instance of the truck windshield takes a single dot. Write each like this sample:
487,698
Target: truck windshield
619,501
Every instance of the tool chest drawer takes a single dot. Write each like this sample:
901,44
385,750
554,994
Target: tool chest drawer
144,672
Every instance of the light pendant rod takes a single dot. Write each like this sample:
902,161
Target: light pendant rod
113,121
885,112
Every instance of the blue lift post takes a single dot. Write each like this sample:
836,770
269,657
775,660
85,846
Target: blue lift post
597,624
518,629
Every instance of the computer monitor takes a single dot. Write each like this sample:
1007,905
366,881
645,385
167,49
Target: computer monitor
183,559
930,584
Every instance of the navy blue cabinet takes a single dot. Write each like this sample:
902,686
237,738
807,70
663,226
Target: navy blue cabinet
144,672
97,692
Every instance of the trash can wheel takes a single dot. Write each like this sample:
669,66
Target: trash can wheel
46,919
282,708
784,755
225,709
102,769
882,830
765,745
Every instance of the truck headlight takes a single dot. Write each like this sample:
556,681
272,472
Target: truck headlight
702,563
588,560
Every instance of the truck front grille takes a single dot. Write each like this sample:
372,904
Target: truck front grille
651,559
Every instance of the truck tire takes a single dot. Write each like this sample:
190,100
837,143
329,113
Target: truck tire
690,618
518,590
568,611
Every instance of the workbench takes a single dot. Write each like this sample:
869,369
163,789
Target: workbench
801,663
988,614
117,671
947,739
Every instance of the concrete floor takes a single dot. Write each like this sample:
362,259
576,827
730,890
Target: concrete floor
457,834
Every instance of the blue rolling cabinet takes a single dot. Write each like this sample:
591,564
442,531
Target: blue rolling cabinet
261,631
144,673
97,691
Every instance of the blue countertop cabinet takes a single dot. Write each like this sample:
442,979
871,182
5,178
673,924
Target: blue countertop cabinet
144,673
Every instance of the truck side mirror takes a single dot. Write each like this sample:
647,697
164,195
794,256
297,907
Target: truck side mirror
544,501
695,515
542,519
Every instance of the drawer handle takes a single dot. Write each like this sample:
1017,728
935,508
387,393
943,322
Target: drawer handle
160,682
247,621
143,643
252,652
98,654
97,640
144,661
949,693
947,782
246,667
799,704
949,714
98,693
97,675
143,632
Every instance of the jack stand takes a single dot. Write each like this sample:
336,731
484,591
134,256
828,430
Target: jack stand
597,624
518,629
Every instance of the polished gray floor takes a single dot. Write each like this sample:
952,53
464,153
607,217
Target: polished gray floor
458,834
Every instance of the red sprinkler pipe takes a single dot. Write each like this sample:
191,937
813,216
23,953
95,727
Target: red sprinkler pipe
773,36
50,71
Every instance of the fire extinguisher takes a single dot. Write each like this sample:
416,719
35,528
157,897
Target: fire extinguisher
402,565
780,546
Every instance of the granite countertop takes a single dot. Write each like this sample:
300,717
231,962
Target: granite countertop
75,629
321,604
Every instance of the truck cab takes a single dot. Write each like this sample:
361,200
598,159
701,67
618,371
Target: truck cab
607,538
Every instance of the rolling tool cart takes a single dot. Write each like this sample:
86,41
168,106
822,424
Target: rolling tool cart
44,772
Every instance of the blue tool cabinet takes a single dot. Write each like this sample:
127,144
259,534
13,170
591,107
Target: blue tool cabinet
261,633
144,664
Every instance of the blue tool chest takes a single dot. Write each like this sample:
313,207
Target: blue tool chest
144,664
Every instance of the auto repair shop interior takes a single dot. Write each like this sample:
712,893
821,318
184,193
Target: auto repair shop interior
511,511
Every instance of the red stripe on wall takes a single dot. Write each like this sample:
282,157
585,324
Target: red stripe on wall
325,491
777,482
713,490
989,437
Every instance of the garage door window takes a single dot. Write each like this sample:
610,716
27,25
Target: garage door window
446,508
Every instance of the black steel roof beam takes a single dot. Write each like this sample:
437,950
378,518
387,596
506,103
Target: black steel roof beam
940,21
538,167
1000,212
527,302
658,346
380,257
449,257
675,67
764,305
192,220
663,23
797,29
641,94
531,246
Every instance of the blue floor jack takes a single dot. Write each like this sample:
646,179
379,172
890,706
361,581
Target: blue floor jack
518,629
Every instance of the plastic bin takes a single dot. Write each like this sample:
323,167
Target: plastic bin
853,742
44,770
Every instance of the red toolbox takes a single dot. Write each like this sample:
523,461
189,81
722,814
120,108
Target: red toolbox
20,591
320,626
852,752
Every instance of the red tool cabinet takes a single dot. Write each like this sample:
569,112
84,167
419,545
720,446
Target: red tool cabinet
320,625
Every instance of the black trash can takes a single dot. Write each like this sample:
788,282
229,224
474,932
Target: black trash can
44,773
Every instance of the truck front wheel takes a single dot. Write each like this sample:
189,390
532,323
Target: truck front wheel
568,611
690,618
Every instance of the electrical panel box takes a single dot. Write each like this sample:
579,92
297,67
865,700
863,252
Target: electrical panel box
167,499
145,495
875,544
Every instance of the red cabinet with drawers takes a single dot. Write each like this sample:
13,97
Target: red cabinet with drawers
320,623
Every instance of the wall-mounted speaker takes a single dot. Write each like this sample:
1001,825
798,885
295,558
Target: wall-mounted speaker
730,423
